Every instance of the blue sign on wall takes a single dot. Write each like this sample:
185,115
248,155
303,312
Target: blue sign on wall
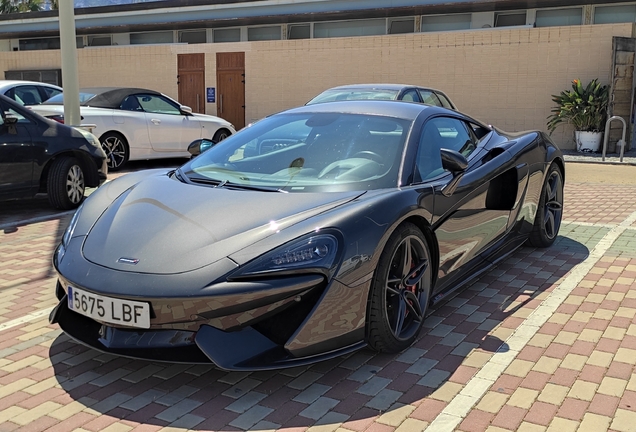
211,94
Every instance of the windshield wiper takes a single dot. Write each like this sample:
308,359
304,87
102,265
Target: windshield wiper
228,184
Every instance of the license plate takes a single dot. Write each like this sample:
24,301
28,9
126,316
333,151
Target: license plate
107,309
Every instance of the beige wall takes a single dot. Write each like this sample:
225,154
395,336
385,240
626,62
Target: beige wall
502,76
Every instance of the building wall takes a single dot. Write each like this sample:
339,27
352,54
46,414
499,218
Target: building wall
502,76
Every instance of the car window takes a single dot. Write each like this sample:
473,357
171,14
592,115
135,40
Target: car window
439,133
350,94
131,103
27,95
411,96
8,111
50,92
428,97
157,104
445,102
306,152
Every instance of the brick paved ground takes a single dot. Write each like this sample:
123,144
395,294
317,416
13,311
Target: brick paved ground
545,341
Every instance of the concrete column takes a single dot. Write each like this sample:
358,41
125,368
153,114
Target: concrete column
68,50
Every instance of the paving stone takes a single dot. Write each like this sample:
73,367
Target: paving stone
143,399
251,417
311,393
384,399
245,402
178,410
373,386
319,408
177,395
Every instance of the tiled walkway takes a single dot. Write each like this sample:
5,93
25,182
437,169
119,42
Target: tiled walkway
545,341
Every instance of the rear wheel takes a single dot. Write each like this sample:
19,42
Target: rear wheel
550,211
65,183
116,149
400,291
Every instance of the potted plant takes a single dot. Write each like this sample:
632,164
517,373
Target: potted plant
585,107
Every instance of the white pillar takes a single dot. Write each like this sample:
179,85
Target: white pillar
68,49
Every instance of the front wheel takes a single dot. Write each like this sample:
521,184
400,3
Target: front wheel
400,291
550,211
65,183
220,135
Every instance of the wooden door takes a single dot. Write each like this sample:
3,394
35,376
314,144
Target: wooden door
622,91
230,83
191,79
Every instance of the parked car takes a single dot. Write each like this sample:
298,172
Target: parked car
135,123
28,93
407,93
314,232
40,155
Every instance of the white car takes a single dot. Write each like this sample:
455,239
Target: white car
135,123
28,93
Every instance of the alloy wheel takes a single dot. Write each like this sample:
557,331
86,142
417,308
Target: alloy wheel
75,184
115,151
406,288
553,205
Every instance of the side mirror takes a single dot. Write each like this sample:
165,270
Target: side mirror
456,163
10,119
185,110
453,161
197,147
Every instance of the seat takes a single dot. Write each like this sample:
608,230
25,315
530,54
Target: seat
28,98
131,104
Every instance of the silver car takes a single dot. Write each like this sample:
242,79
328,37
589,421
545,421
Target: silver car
28,93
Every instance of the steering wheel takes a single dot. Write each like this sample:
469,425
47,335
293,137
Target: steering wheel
368,154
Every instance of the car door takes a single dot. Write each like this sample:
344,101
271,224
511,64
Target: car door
16,154
470,219
169,129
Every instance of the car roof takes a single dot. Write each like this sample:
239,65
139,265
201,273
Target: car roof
11,83
379,86
111,97
400,109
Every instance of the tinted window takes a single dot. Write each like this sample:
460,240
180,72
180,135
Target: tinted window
428,97
157,105
439,133
27,95
445,102
411,96
50,92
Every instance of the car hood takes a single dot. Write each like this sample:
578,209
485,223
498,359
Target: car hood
164,226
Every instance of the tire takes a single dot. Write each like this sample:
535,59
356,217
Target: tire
400,291
65,183
116,148
220,135
550,210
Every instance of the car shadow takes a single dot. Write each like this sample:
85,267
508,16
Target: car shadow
458,338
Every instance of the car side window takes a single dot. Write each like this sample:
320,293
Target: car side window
50,92
439,133
411,96
130,104
444,100
157,105
27,95
6,111
428,97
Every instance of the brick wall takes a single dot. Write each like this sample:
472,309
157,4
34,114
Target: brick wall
502,76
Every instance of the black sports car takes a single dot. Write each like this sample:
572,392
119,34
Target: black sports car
310,234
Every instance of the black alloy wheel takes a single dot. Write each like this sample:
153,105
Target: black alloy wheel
116,149
65,183
550,211
400,291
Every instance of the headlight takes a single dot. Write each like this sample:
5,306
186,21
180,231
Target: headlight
318,251
92,139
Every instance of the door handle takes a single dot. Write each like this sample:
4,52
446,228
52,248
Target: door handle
155,121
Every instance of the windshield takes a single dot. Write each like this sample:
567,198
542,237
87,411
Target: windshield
307,152
59,99
350,94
